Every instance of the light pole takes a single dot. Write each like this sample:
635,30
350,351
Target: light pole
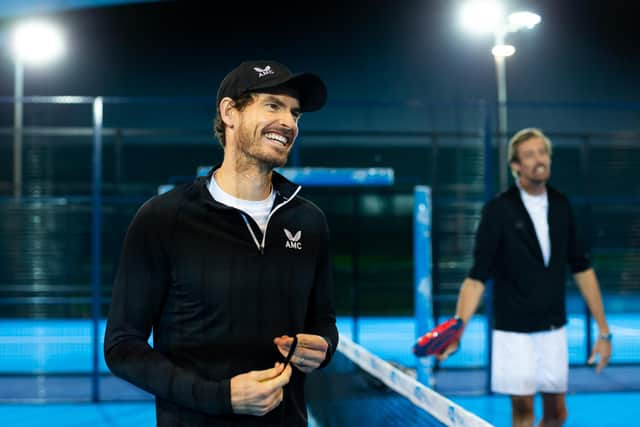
17,127
488,16
33,42
499,56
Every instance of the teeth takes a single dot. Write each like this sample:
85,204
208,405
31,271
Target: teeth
277,138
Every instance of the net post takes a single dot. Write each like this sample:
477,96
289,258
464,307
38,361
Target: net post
422,276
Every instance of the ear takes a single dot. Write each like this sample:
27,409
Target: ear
227,112
515,167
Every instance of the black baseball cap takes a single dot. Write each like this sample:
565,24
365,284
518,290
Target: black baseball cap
258,76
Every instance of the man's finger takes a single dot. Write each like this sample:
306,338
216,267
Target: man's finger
312,342
604,361
444,355
451,348
267,374
283,343
281,380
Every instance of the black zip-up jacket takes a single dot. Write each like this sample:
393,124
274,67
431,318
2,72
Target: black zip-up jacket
216,292
527,295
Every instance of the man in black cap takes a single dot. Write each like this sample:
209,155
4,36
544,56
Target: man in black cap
231,272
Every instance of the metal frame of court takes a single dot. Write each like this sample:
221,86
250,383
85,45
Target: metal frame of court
96,104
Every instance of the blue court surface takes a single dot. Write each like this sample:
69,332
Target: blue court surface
29,346
585,410
29,350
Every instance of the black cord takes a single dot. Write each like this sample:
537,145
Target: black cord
287,361
292,350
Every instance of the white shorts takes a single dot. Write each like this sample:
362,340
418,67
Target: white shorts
523,364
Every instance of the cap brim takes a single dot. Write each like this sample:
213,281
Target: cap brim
310,88
313,92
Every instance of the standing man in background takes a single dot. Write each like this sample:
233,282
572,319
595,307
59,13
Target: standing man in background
526,238
231,272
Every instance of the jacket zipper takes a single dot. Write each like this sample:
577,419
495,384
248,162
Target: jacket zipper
260,245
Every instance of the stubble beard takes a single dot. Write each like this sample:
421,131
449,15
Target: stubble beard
536,181
250,146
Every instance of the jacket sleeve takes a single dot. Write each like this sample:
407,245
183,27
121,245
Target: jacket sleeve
487,241
578,253
137,300
321,315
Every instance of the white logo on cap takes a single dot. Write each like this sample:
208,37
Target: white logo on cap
264,71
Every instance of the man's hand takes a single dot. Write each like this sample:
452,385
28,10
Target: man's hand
309,353
602,347
448,351
259,392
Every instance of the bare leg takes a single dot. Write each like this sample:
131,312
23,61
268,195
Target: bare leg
522,411
555,410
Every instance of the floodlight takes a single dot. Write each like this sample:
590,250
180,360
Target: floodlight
37,42
503,50
33,42
482,16
523,20
489,16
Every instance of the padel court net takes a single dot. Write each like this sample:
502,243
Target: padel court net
359,389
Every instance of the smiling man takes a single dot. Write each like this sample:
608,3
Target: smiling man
526,238
231,272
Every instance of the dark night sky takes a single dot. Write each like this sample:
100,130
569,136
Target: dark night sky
375,50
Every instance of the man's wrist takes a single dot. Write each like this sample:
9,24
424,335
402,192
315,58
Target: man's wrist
606,337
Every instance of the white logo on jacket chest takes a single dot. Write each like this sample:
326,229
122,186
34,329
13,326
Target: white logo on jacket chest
293,240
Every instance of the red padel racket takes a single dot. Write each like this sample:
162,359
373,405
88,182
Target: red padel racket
438,339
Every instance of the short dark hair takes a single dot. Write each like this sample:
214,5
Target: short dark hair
240,104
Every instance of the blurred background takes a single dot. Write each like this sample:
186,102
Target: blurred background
129,104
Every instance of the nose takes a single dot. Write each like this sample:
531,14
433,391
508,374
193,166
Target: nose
288,120
541,157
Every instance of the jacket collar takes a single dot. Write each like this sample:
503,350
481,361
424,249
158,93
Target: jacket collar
513,192
281,185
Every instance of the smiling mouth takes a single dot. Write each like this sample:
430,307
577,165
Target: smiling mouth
277,138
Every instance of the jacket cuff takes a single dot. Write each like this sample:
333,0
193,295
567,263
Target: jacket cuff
329,353
225,396
216,397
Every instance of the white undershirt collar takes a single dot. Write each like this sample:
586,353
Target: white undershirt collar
538,208
257,209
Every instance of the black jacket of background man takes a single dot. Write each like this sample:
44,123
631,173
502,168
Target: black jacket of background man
527,295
